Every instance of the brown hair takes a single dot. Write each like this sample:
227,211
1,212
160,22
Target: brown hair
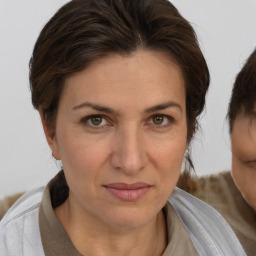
83,30
244,91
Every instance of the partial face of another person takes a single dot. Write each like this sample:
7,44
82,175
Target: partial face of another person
121,133
243,140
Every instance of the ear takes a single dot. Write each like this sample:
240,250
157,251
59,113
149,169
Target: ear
50,137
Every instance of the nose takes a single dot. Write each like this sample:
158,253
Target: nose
129,152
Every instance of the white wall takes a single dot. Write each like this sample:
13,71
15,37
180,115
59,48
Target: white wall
226,30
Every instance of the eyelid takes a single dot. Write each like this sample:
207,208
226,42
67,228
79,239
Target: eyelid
251,161
163,115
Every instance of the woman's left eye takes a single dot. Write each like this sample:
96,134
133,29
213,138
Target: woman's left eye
95,122
160,120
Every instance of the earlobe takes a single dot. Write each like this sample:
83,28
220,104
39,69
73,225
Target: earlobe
50,137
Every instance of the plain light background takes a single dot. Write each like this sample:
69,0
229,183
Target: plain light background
226,32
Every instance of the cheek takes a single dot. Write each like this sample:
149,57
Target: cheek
170,149
83,155
84,162
167,166
237,168
245,179
168,158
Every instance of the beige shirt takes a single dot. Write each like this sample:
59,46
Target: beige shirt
56,241
221,192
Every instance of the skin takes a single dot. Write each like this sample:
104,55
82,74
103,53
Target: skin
243,139
140,136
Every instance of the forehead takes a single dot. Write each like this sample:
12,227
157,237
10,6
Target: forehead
144,77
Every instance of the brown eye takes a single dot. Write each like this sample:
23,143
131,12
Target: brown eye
96,120
158,120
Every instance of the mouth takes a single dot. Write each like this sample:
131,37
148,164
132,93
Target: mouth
128,192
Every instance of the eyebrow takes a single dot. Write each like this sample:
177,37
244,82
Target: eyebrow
163,106
96,107
112,111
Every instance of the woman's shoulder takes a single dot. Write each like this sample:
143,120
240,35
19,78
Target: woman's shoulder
7,202
220,191
23,206
19,226
199,185
208,230
216,187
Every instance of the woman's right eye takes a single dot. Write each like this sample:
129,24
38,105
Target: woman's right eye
95,122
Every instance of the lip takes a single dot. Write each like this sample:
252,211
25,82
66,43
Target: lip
128,192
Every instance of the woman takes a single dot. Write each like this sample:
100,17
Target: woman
235,196
119,86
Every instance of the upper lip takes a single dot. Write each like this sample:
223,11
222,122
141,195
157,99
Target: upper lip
125,186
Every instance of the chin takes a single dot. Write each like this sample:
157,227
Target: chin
129,218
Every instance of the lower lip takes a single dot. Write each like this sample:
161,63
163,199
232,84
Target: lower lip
129,195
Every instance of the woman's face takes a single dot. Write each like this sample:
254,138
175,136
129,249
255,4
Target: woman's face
121,134
243,140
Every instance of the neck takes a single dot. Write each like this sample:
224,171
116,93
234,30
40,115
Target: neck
93,237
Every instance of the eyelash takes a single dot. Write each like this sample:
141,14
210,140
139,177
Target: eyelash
86,119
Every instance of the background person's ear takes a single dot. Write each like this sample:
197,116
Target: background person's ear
50,137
